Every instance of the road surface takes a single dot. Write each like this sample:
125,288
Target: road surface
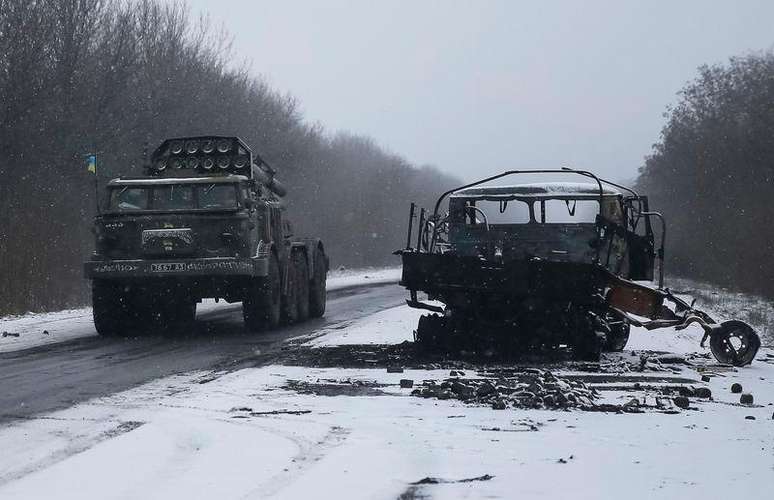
56,376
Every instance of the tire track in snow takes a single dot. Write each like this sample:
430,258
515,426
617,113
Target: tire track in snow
309,453
77,444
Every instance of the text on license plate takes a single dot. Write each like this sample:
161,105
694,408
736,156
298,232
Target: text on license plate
167,267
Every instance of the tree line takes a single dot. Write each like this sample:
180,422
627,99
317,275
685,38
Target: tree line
115,77
712,175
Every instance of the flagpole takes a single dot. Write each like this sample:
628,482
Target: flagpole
92,167
96,182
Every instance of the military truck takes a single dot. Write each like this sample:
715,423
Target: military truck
207,220
534,266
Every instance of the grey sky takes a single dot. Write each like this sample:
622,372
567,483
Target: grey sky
476,87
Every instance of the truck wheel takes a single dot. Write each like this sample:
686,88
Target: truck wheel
317,289
109,308
290,300
431,332
302,285
589,348
179,318
261,304
617,338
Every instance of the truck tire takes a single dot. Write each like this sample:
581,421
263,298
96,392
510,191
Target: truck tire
109,308
431,332
589,347
290,299
317,288
261,304
179,318
302,285
617,338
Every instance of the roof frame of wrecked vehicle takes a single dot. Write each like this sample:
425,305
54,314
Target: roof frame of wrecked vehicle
565,170
535,191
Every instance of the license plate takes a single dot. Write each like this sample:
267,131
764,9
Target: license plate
167,267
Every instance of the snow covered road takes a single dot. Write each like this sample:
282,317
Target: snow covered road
56,375
310,422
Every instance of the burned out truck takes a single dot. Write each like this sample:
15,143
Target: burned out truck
537,266
206,221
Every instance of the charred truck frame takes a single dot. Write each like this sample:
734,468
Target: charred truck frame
207,221
536,266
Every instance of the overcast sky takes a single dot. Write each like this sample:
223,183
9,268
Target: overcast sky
476,87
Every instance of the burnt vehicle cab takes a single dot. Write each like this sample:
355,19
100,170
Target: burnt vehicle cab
541,265
556,222
207,221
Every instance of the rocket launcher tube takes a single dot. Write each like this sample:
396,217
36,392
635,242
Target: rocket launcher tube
267,179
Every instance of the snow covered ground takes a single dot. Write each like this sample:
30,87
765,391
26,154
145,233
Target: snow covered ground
303,432
37,329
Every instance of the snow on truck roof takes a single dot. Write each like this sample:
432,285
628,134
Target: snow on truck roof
146,181
538,190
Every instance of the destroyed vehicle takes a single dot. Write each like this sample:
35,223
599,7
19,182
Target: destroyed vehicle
206,221
509,269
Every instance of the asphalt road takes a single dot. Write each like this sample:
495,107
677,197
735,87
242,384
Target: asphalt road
56,376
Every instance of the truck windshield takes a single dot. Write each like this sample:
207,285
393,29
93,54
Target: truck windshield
174,197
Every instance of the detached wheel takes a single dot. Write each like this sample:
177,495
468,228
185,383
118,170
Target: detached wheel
734,343
302,285
261,304
617,338
317,286
110,308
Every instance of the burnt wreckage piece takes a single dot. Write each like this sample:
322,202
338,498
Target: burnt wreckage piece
536,266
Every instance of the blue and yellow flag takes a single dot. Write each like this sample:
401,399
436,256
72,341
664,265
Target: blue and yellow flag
91,163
